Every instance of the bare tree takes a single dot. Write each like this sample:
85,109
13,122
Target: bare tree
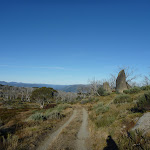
66,96
94,86
146,81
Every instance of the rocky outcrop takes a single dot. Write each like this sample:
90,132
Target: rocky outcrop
121,83
107,87
143,123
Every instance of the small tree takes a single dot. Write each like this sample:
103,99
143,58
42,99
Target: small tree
42,95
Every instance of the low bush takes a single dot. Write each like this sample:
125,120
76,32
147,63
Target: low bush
123,98
132,90
102,92
144,100
145,88
100,108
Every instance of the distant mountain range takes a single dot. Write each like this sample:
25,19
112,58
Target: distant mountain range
66,88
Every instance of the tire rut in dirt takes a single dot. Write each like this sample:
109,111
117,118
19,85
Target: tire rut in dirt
82,142
52,137
68,137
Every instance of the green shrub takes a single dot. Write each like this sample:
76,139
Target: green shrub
145,88
101,91
37,117
144,100
132,90
123,98
100,108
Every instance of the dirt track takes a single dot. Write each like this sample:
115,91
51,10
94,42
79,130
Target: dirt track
71,136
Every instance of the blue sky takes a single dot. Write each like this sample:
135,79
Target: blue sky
69,42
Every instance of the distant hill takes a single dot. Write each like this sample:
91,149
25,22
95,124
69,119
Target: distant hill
66,88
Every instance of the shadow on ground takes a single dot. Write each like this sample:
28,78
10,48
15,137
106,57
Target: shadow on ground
111,145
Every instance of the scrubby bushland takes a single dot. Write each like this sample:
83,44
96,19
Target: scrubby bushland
100,108
145,88
132,90
123,98
143,101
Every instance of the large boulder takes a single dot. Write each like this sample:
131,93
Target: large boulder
121,83
107,87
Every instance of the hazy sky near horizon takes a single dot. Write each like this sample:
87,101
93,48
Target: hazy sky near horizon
69,42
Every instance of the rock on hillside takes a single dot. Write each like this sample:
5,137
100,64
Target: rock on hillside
143,123
121,84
